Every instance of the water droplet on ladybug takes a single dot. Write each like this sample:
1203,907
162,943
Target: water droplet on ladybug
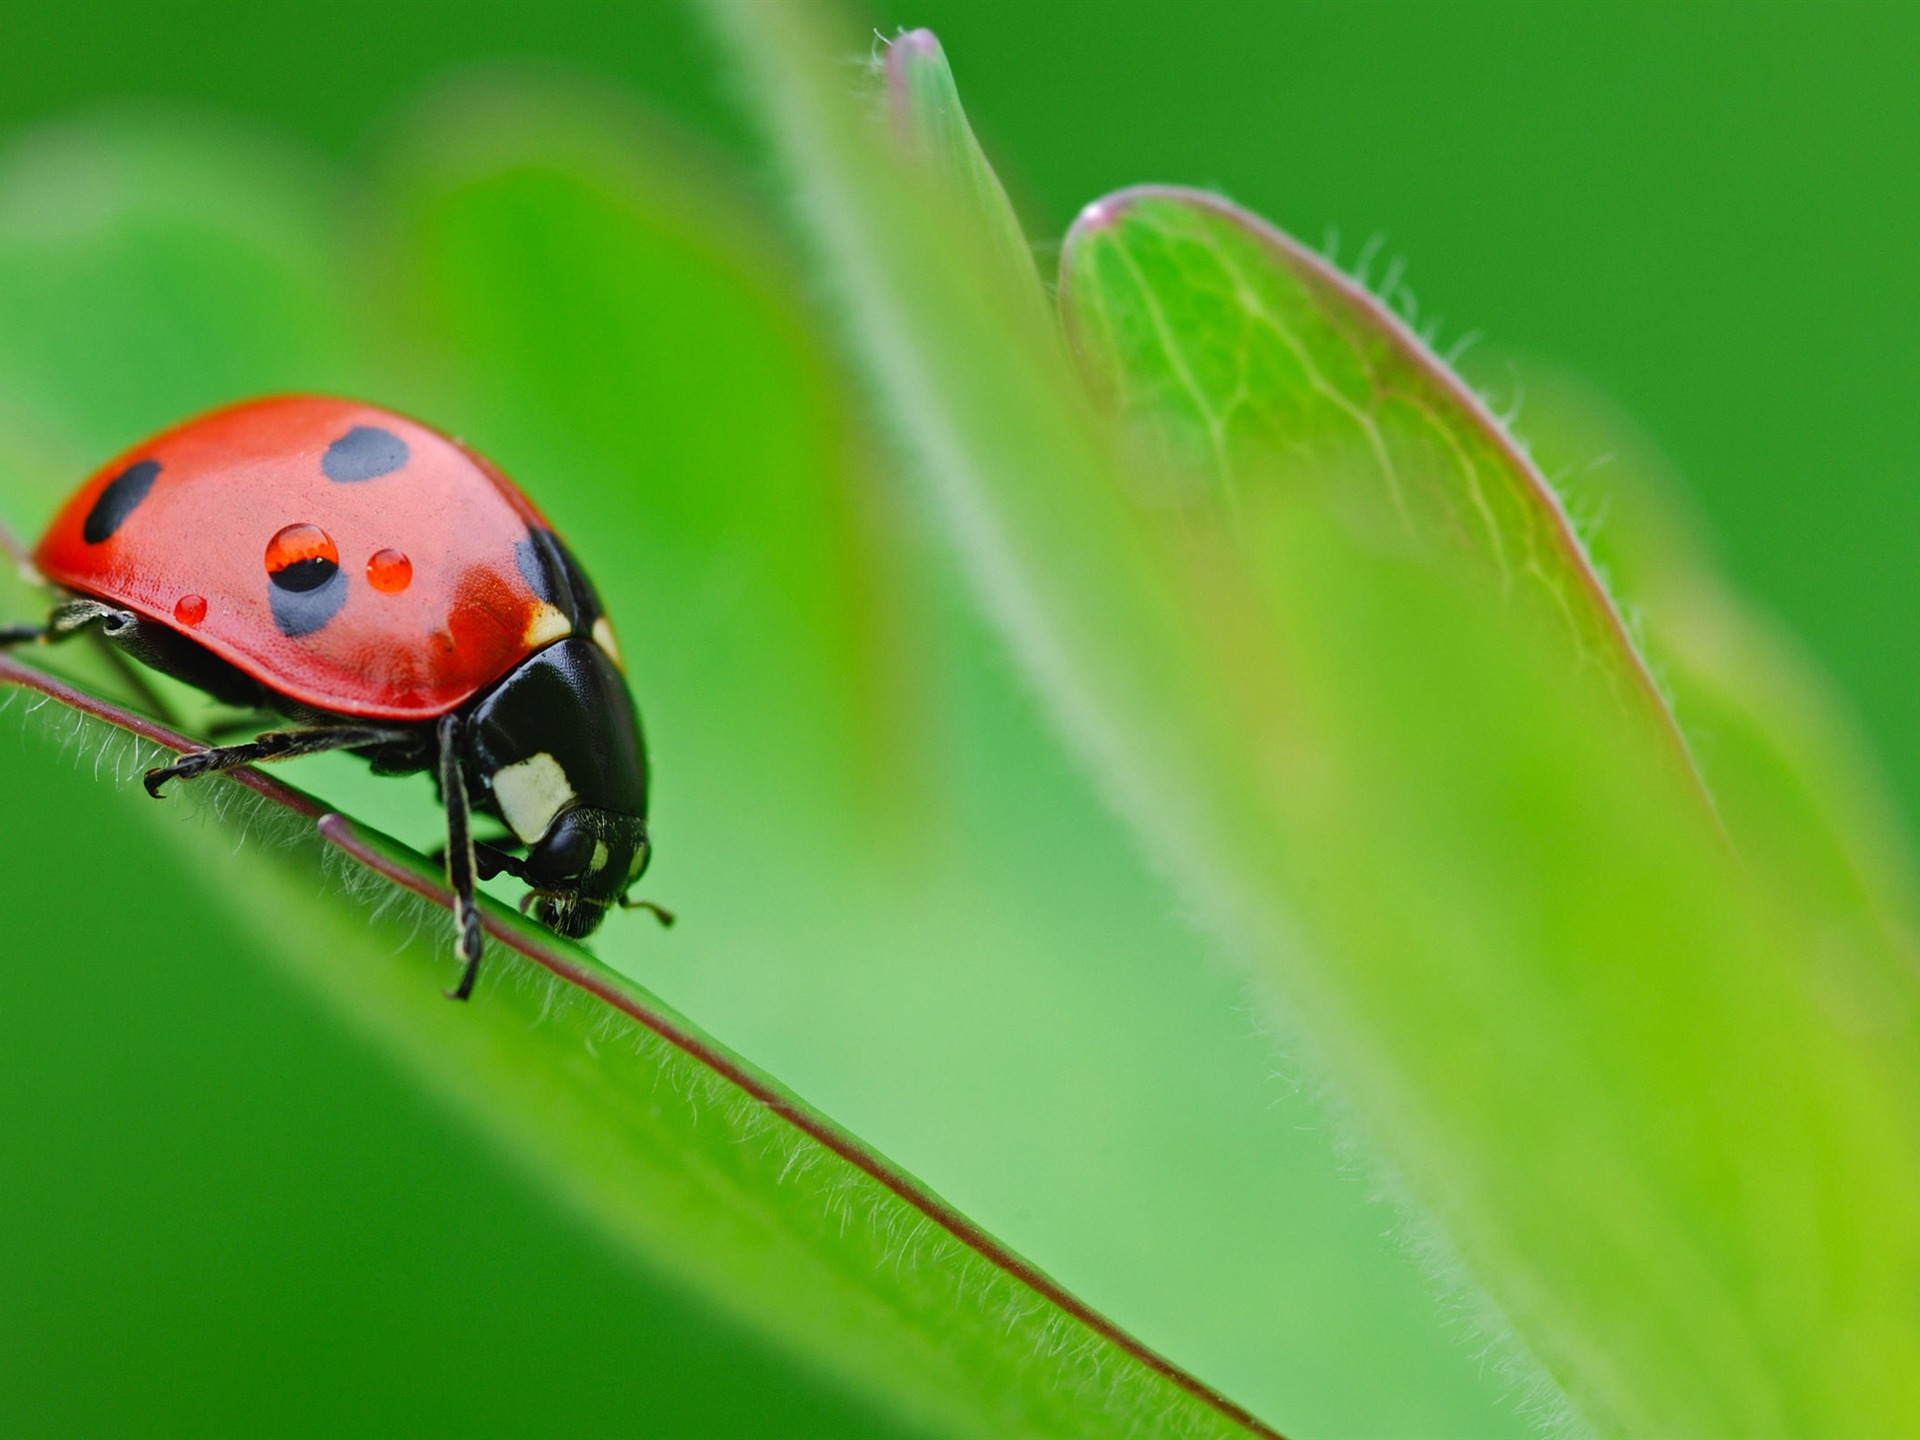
302,557
190,609
389,572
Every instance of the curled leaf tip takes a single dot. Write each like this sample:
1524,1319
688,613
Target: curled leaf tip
914,44
914,57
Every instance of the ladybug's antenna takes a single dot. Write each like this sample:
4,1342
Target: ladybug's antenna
660,912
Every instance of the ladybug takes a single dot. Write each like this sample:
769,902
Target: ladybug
391,593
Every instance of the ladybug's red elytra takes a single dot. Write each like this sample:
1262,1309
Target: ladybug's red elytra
391,593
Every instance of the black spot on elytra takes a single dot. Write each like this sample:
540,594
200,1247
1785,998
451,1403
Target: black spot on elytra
365,452
306,595
555,576
119,500
304,575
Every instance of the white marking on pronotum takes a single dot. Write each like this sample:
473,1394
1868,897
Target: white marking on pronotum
600,856
545,625
531,793
603,637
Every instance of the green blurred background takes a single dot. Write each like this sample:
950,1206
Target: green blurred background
224,1214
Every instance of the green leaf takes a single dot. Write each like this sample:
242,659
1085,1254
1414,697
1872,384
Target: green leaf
1673,1151
705,1167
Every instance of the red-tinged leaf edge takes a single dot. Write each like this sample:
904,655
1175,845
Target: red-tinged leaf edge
377,853
1422,357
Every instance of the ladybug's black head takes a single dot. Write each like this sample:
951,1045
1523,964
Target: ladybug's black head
556,747
583,866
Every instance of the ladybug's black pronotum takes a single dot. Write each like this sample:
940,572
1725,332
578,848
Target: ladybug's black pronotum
391,593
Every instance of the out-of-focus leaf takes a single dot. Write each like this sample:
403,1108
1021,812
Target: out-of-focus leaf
1789,770
139,283
1498,912
1628,1091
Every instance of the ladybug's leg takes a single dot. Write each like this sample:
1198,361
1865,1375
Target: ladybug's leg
252,723
491,860
460,862
275,745
68,619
